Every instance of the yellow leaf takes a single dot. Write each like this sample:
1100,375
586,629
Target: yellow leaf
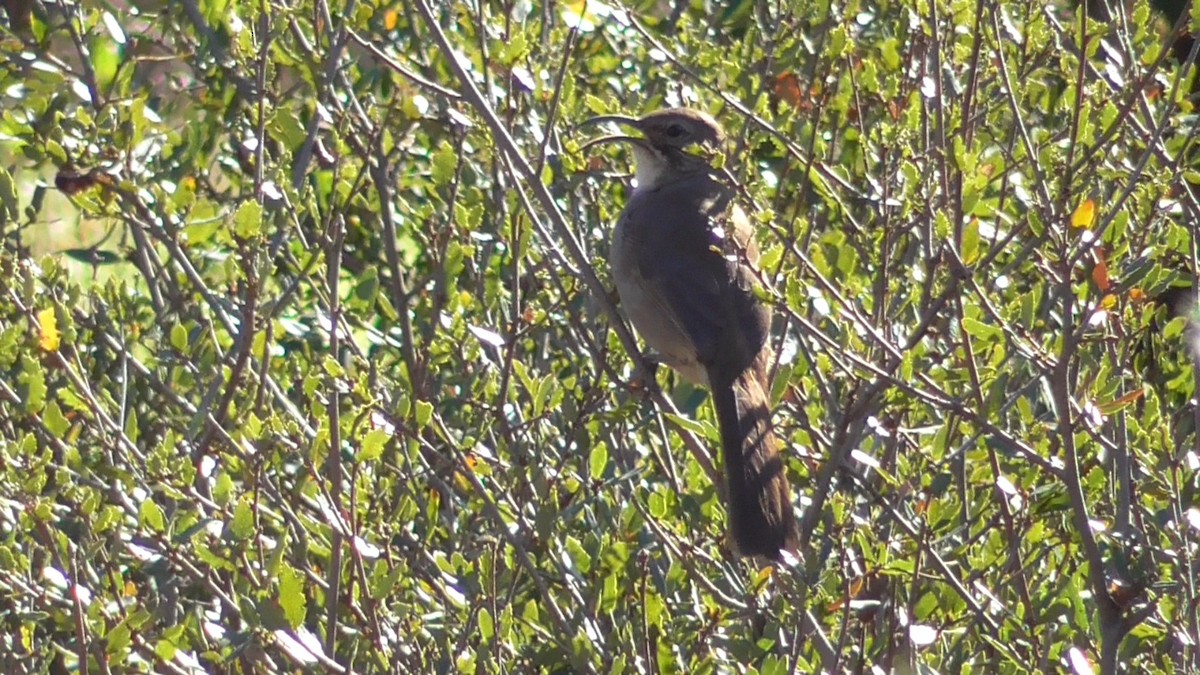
1109,301
390,19
760,579
462,482
48,337
1085,215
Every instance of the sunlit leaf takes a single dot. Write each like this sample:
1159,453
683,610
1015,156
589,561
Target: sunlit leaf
291,595
1121,402
247,221
49,338
1084,215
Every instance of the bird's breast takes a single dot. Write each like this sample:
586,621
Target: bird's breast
645,305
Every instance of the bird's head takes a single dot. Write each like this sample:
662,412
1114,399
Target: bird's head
674,143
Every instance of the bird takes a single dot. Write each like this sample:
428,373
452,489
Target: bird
683,255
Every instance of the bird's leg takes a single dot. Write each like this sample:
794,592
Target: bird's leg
645,378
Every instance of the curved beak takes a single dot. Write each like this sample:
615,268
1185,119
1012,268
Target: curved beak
614,138
622,120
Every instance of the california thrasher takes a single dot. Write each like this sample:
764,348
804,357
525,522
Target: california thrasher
682,256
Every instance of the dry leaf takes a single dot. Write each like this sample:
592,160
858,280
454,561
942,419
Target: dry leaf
1100,273
787,88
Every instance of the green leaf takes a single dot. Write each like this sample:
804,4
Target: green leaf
941,225
247,221
530,612
424,413
443,164
597,461
657,504
332,367
367,287
108,517
33,379
285,127
222,489
978,329
106,61
291,595
486,628
372,445
610,593
55,421
117,641
242,526
594,104
150,515
166,650
9,209
579,555
179,337
132,429
970,242
384,580
773,665
545,387
704,429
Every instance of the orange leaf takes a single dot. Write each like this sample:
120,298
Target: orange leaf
1100,273
1137,295
787,87
1119,403
1085,215
857,586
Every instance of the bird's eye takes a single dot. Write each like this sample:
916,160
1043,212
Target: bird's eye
675,130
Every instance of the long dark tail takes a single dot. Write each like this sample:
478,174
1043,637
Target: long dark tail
760,501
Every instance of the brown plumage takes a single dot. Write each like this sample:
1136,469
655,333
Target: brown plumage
682,256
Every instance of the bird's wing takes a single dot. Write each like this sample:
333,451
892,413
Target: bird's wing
688,252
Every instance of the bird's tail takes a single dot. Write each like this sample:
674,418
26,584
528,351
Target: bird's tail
760,502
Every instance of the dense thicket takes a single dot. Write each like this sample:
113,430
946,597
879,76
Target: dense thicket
309,357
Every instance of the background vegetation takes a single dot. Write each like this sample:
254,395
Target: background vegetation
309,360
